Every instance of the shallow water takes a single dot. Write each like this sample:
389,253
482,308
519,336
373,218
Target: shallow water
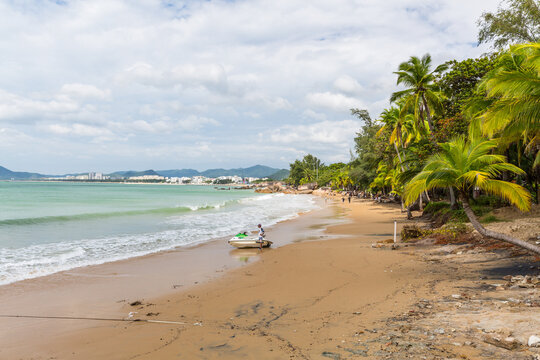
50,227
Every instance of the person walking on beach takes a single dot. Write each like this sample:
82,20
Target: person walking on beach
261,235
350,196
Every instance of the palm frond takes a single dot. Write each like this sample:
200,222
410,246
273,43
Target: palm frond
513,193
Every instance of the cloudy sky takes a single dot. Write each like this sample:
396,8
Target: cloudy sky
104,85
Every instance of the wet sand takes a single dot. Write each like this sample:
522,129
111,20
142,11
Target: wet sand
301,300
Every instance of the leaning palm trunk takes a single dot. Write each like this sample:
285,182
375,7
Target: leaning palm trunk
495,235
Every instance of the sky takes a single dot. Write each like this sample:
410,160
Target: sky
106,85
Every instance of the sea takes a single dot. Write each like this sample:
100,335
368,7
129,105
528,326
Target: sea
47,227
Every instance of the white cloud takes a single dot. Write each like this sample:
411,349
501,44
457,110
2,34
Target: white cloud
209,74
335,133
85,91
333,101
348,85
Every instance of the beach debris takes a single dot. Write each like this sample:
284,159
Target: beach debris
410,232
522,281
508,343
197,324
136,303
331,355
534,341
131,314
152,314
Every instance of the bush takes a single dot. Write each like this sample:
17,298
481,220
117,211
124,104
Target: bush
488,200
435,206
490,219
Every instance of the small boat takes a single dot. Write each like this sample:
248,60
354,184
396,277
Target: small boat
243,240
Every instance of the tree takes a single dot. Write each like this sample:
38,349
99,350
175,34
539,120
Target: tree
465,164
369,151
510,110
421,94
514,87
458,85
305,171
519,23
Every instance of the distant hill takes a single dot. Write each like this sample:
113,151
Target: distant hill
178,173
130,173
6,174
280,175
259,171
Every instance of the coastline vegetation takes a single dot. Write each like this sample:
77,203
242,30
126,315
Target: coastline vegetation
460,131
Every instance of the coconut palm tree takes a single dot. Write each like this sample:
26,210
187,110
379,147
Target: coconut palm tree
421,94
514,89
468,164
402,130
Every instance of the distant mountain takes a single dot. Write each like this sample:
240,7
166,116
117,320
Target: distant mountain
280,175
6,174
178,173
130,173
259,171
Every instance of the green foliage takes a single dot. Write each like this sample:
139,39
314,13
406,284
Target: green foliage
489,219
305,171
421,96
369,150
436,206
466,164
488,200
458,85
518,23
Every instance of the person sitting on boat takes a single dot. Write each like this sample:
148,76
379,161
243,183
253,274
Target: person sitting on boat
261,235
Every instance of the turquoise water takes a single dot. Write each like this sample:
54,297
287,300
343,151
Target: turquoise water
49,227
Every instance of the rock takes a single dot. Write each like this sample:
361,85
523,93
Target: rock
264,191
456,296
508,343
534,341
439,331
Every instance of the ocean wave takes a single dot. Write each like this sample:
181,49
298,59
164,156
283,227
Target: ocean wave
184,226
103,215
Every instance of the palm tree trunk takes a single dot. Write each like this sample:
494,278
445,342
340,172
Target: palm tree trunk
452,198
399,157
495,235
428,115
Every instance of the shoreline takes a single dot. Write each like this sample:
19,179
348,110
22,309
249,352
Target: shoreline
332,295
193,242
100,290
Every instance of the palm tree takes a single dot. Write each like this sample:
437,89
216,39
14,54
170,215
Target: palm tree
402,131
514,89
468,164
421,94
342,179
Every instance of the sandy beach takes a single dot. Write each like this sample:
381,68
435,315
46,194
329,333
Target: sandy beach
320,295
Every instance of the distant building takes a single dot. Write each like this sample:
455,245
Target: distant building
147,178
